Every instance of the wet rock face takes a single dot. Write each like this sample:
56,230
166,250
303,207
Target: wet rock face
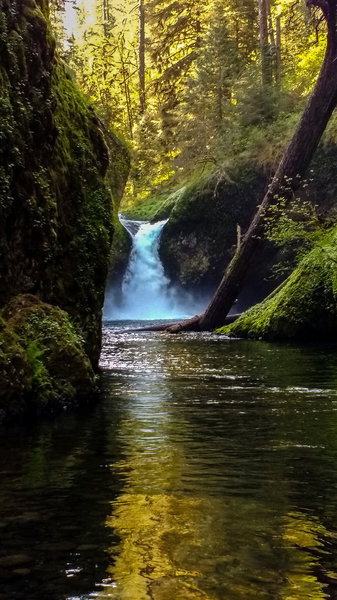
55,207
56,219
199,237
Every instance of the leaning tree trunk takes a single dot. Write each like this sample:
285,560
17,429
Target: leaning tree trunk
287,178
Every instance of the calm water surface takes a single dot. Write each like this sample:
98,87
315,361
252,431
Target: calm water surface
207,472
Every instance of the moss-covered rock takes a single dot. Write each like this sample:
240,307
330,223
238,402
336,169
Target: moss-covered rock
15,377
43,364
56,205
61,179
198,239
120,254
304,307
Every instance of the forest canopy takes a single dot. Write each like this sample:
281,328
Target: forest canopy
193,86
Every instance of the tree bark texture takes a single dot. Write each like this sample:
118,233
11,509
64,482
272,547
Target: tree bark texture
266,67
278,51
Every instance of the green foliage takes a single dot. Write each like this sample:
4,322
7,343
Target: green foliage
206,112
154,208
41,384
205,108
15,378
294,227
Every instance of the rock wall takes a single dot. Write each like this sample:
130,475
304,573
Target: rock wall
57,206
199,237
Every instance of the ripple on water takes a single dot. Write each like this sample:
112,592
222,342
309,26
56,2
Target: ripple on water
207,471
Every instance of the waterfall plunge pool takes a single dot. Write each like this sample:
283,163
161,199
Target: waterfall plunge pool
208,471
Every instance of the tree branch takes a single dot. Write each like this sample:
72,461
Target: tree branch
322,4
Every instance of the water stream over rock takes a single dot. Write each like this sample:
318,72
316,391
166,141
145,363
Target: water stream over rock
147,293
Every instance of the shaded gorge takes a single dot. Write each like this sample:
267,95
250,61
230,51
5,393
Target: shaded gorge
208,471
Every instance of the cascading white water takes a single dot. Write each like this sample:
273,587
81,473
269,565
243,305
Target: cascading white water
146,291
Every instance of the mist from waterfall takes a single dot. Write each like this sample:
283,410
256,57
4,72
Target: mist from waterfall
146,291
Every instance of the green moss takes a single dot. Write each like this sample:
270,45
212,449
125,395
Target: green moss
15,377
54,157
120,250
58,370
57,212
303,307
154,208
202,228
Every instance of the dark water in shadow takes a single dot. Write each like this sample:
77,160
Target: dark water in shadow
207,472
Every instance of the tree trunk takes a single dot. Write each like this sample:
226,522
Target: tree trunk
278,51
105,17
288,176
187,325
126,88
266,70
141,57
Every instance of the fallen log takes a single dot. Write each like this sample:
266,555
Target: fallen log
191,324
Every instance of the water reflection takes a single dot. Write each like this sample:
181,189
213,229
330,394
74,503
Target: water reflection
211,472
208,471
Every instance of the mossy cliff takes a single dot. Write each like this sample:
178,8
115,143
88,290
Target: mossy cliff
199,237
56,205
304,307
198,240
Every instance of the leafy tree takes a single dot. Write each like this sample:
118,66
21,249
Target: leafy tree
290,170
206,112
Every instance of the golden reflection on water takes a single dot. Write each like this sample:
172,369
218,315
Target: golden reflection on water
301,535
175,547
157,557
179,542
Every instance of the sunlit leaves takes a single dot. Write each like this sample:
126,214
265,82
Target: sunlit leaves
202,78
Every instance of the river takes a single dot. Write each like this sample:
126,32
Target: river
208,471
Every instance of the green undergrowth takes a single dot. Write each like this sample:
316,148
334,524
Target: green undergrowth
304,307
155,207
15,376
257,145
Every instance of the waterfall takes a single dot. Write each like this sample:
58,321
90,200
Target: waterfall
146,291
